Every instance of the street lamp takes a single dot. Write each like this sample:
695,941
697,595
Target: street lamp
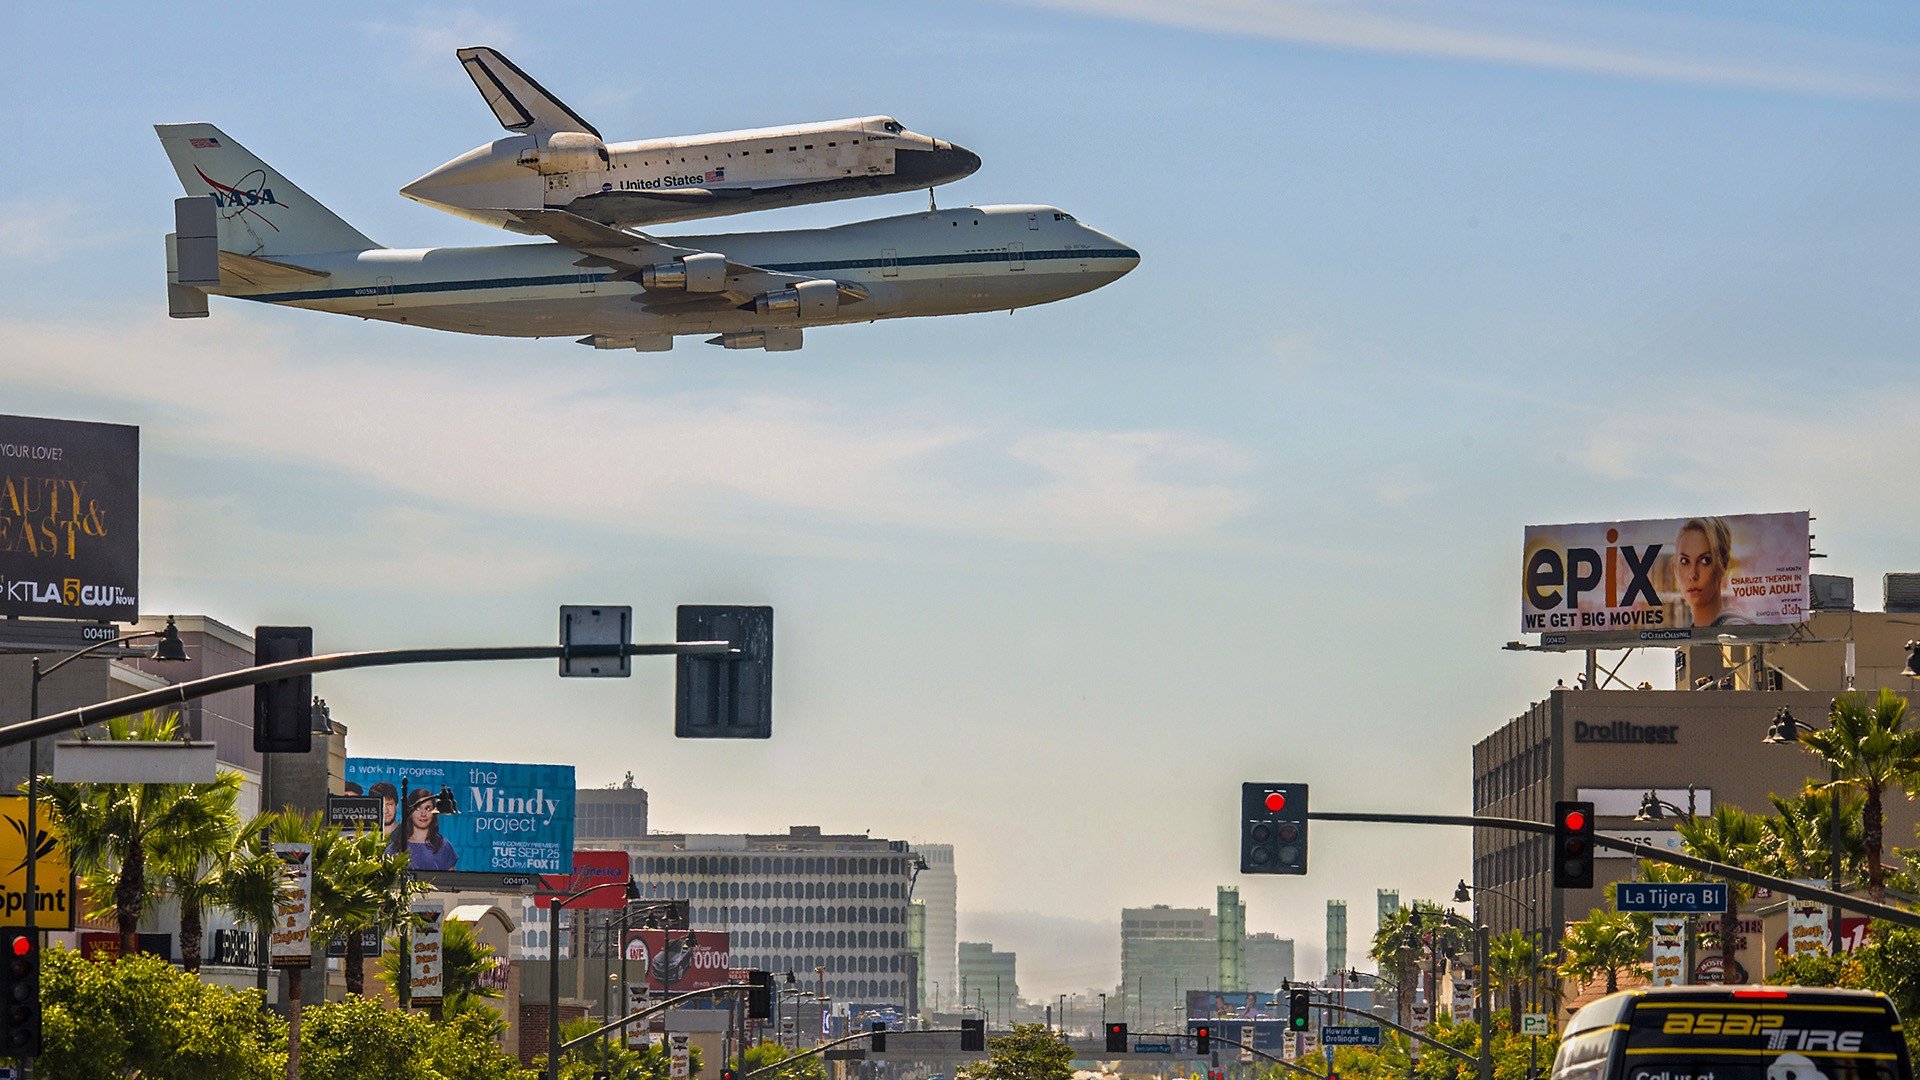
555,903
1463,893
1655,808
1785,729
169,649
1912,670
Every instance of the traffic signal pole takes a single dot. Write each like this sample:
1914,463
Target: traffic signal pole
1897,916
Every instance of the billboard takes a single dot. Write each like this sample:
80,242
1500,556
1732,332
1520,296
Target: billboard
1665,577
1235,1005
69,519
512,818
52,875
680,960
590,868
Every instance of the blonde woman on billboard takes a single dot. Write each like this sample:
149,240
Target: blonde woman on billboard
1702,554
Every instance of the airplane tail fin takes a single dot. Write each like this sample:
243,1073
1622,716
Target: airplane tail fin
260,212
520,103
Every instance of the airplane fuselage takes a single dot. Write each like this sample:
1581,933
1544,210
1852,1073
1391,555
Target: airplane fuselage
654,181
936,263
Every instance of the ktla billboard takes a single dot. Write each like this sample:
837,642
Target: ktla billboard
512,818
69,519
679,960
1667,574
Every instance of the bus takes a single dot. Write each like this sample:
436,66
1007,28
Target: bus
1734,1033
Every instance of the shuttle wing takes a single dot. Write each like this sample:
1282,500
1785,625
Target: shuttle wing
633,250
517,101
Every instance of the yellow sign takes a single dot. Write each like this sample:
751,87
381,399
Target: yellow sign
53,877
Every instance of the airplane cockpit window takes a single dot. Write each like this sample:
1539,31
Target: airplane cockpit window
893,126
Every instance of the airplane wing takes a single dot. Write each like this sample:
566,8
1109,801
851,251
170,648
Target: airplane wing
632,250
517,101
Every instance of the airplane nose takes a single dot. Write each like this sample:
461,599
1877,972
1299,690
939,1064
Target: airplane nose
941,165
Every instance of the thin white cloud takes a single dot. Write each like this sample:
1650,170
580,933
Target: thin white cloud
1623,44
430,39
607,453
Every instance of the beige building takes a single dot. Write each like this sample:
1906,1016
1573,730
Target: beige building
1612,747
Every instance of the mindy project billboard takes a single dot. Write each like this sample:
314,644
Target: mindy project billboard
69,519
1665,575
513,818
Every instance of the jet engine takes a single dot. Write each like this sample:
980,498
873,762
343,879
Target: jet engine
807,300
570,152
702,273
786,339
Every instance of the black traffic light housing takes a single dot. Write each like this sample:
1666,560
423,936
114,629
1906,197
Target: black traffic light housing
1203,1040
725,697
879,1036
283,708
1116,1038
1273,828
973,1035
760,996
729,1074
1299,1005
1573,845
19,994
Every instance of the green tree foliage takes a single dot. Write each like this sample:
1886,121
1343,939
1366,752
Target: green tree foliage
141,1017
358,1039
1028,1052
1867,741
1889,962
1519,970
1393,1060
1732,836
1605,943
1404,944
115,831
1796,841
464,958
771,1053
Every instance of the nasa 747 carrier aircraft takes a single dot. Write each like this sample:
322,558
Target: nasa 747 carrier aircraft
246,231
557,160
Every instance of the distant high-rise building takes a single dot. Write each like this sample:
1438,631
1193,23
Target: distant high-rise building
1164,952
604,815
1386,902
1336,937
1230,923
917,946
1268,963
989,978
938,887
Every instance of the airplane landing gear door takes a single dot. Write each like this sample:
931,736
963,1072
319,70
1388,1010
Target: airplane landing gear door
890,263
383,297
1018,254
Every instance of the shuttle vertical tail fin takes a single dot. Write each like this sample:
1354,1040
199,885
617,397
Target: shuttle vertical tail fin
516,100
261,212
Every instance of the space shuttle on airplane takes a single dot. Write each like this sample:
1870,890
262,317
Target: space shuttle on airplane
555,160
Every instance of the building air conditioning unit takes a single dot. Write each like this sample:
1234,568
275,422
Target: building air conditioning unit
1903,593
1831,592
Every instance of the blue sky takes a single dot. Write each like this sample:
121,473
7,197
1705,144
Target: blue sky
1049,585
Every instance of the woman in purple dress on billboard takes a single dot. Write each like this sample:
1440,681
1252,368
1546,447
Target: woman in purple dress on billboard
426,849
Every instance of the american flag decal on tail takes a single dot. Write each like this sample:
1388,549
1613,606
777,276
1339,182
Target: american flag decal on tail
204,144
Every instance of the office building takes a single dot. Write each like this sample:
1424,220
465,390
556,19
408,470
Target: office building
604,816
1688,748
1230,938
938,887
1268,962
795,901
1164,952
1336,937
989,979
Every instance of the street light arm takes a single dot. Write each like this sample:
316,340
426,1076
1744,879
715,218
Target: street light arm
729,988
121,640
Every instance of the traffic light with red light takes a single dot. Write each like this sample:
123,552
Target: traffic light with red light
1116,1038
729,1074
19,994
1573,845
1299,1005
1203,1040
1273,828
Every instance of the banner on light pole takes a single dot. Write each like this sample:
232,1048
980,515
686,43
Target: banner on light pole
425,955
1669,952
1806,924
291,943
638,997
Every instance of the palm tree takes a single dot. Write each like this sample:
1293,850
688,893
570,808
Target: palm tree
113,831
1605,942
1869,748
1728,835
1396,949
191,866
382,893
464,960
1515,964
1798,836
249,880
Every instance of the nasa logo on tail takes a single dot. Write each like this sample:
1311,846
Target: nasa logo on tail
243,197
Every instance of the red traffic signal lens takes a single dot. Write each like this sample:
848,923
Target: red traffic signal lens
22,945
1202,1032
1276,801
1576,820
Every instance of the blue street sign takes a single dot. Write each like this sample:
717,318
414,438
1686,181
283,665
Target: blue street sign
1333,1035
1152,1048
1685,898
